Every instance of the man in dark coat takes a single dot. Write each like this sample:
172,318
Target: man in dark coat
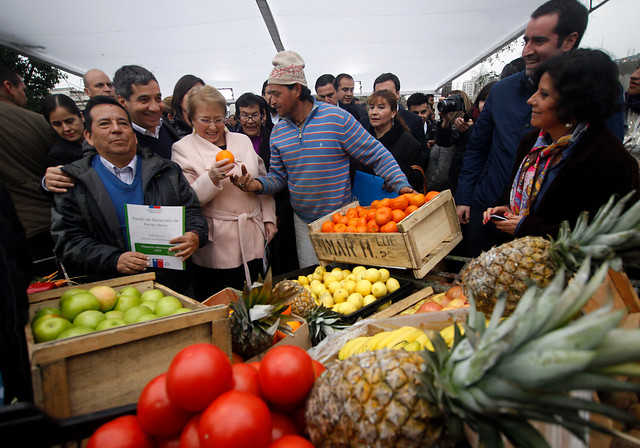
89,223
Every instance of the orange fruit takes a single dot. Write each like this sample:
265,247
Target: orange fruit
352,222
361,210
389,227
386,202
397,215
350,229
418,200
225,154
408,196
431,195
399,203
383,215
294,324
339,219
287,310
370,214
351,213
340,228
362,221
372,227
327,226
410,209
375,204
361,229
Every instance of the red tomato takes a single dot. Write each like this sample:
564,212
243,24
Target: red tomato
291,441
197,375
254,364
286,374
189,437
245,378
123,432
318,368
157,415
236,419
281,425
168,443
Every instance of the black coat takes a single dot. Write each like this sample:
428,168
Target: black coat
64,152
415,125
85,226
445,158
597,167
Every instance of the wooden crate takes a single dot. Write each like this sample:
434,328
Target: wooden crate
110,368
423,239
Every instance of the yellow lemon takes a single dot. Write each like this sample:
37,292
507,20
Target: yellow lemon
333,287
330,278
340,295
379,289
384,274
347,308
366,300
372,274
350,286
356,300
303,280
392,285
320,270
363,287
318,289
337,272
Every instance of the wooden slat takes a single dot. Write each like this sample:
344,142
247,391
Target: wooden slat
625,289
55,386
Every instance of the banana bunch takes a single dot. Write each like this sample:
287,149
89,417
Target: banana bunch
406,338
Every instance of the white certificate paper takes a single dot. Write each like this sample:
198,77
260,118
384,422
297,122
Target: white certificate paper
150,228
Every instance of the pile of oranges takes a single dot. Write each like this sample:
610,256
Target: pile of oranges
382,216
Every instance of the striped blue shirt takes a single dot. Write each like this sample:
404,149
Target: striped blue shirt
313,161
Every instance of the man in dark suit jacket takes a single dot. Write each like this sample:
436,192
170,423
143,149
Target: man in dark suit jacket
390,82
138,91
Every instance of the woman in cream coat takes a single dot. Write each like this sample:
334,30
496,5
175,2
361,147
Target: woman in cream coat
240,223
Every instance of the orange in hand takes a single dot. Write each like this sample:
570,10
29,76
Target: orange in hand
389,227
225,154
383,216
327,226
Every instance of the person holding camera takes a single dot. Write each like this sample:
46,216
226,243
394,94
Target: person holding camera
451,135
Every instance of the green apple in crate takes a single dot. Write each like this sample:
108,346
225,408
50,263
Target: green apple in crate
129,291
106,295
167,305
75,330
50,328
125,302
110,323
89,318
76,304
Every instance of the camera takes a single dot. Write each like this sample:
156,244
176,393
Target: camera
453,103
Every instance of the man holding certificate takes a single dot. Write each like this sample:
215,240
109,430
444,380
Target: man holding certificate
95,224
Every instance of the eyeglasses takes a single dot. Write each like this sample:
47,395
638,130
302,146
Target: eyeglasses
255,117
208,121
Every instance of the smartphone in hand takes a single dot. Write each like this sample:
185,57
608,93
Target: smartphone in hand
497,218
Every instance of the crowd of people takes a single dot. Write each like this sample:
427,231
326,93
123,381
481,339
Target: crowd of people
554,137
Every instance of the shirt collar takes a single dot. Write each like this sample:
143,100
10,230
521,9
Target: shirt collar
112,168
143,131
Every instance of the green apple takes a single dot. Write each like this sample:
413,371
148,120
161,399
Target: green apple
75,330
129,291
110,323
89,318
132,314
126,302
46,312
106,295
146,317
65,295
180,311
152,294
151,304
49,329
167,305
113,314
78,303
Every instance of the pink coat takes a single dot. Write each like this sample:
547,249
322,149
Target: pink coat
236,219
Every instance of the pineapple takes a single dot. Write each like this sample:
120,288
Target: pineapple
258,314
302,304
323,322
510,267
497,375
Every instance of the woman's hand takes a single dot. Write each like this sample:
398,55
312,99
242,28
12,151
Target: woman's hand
270,230
462,125
510,223
219,170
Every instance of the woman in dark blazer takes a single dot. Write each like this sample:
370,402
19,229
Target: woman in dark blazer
573,163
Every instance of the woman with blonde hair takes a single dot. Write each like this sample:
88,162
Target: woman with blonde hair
240,223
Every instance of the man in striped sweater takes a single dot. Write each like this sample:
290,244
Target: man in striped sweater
310,151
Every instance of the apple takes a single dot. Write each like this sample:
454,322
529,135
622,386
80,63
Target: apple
110,323
78,303
113,314
167,305
89,318
132,314
444,300
180,311
151,304
46,312
457,303
146,317
75,330
428,307
71,292
152,294
106,295
129,291
49,329
126,302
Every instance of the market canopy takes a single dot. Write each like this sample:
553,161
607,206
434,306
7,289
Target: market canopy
231,44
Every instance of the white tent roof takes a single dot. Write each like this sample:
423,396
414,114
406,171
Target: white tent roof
228,43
